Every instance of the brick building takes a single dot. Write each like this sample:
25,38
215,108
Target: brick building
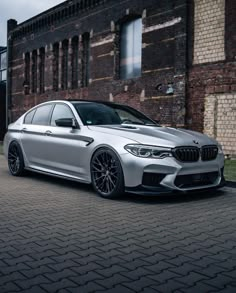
211,91
125,51
3,67
173,59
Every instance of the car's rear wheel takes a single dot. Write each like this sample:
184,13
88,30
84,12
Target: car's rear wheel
15,159
106,174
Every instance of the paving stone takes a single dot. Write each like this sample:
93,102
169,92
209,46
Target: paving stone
113,281
34,289
168,287
219,282
27,284
140,284
59,236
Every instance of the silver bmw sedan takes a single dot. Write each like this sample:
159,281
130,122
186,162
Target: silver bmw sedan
115,147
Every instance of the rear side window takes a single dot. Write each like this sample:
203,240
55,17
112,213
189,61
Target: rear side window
42,115
29,117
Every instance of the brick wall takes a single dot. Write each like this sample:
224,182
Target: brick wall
220,120
209,31
212,78
163,55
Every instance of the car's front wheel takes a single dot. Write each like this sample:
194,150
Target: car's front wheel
15,159
106,174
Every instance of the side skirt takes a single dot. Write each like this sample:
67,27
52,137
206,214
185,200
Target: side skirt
57,175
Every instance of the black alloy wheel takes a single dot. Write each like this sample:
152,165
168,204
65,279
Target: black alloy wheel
15,159
106,173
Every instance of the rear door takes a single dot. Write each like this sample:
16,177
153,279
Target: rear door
34,137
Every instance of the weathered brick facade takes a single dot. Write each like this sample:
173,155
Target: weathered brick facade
212,71
220,120
209,31
163,56
74,51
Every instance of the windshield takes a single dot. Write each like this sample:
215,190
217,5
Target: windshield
92,113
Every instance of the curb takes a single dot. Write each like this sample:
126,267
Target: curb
231,184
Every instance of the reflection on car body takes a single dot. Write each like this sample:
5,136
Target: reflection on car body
112,146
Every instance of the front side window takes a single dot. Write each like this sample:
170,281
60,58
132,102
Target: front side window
131,49
61,112
41,116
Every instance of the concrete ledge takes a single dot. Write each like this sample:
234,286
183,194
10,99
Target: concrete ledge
231,184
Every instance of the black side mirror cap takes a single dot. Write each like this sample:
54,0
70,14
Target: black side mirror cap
67,122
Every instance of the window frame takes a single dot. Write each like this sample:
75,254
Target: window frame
33,110
3,69
51,114
125,76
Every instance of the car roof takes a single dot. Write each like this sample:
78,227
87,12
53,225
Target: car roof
92,101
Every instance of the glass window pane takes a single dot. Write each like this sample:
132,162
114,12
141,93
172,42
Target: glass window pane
41,116
4,60
131,49
97,114
61,111
137,48
29,117
4,75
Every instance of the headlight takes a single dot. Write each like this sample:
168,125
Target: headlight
220,149
147,151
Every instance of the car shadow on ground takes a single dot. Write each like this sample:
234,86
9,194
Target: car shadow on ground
128,197
175,198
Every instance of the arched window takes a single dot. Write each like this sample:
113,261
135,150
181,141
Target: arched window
85,59
131,49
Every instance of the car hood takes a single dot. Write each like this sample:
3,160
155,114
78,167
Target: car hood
156,135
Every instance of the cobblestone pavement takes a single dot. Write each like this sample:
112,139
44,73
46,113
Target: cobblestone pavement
59,236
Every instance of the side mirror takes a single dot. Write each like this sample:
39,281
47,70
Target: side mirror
67,122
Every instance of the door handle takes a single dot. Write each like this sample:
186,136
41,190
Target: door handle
48,133
23,130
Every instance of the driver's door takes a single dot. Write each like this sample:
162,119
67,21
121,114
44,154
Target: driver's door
65,145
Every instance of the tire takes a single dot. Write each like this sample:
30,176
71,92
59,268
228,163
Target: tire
107,174
15,159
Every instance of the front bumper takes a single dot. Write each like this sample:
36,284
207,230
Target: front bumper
170,173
